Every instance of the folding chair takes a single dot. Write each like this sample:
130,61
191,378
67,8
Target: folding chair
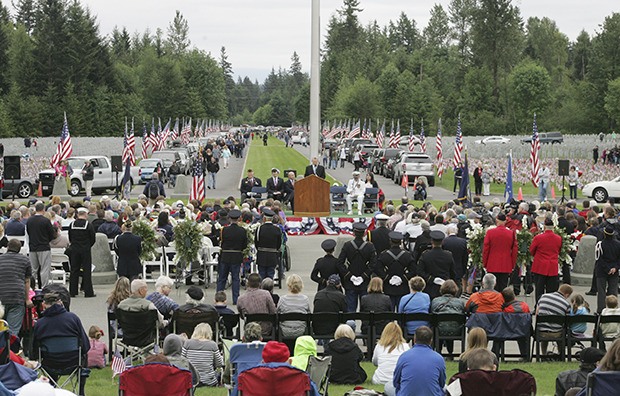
274,381
324,324
338,199
602,383
588,336
602,321
265,318
210,260
112,329
560,339
185,322
158,263
495,383
257,192
414,317
140,332
58,273
440,333
5,340
13,376
359,335
62,356
379,321
318,370
155,379
243,357
371,196
293,316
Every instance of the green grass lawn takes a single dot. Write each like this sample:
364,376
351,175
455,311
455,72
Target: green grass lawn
101,383
262,159
447,182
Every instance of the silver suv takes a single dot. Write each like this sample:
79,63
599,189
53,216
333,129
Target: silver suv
414,165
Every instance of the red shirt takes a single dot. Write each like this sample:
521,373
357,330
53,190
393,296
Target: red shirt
545,249
499,252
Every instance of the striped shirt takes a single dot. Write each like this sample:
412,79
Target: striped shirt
552,304
15,268
206,359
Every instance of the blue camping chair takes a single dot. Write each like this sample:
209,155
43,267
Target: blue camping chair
62,356
14,376
602,383
243,357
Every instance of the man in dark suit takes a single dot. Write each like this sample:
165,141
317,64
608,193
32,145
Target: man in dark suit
380,235
247,183
356,264
458,247
234,240
289,190
435,263
128,247
268,241
395,266
315,169
275,185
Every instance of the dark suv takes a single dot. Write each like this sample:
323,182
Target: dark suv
546,137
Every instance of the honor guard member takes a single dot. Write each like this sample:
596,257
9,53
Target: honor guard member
82,238
326,265
380,235
436,265
422,242
268,241
395,266
234,240
356,263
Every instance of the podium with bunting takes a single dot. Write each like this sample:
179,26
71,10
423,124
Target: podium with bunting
312,197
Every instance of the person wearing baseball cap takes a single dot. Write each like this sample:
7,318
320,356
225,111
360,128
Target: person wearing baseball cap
606,267
326,265
330,299
588,360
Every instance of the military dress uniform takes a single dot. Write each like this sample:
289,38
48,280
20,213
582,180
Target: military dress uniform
82,238
234,240
268,242
326,265
356,264
395,266
380,236
435,263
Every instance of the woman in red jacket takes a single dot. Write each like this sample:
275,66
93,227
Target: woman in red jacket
545,249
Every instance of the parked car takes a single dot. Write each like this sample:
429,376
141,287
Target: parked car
147,167
414,165
104,178
602,190
493,140
22,188
330,143
366,150
404,142
382,162
545,138
351,144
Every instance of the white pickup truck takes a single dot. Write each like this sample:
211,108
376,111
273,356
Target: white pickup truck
104,178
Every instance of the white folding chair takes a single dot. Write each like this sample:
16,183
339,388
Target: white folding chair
157,263
58,273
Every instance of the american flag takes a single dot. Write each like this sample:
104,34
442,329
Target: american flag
175,130
355,130
422,137
198,182
145,141
381,135
153,136
163,135
118,364
186,133
411,139
129,146
366,132
65,147
395,137
534,154
458,145
439,151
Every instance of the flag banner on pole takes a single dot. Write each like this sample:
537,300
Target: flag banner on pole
175,131
146,140
458,145
411,138
129,145
508,191
65,147
355,130
118,364
438,147
381,135
198,182
422,137
534,153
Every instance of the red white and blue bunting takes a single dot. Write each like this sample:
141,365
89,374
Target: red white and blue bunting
325,225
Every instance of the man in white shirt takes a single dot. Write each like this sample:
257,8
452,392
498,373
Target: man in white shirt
355,190
543,183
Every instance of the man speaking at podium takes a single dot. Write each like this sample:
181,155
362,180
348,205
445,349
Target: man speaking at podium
315,169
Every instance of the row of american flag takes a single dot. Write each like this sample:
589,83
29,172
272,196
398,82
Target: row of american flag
352,129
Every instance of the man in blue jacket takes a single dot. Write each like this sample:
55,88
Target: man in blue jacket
56,321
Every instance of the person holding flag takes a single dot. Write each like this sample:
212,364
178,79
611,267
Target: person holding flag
508,193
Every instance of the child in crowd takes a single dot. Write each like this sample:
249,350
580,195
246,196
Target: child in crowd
579,306
228,315
98,349
611,330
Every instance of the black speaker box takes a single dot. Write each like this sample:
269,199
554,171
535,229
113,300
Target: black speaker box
563,166
117,163
12,167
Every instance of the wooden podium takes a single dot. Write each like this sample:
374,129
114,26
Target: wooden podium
312,197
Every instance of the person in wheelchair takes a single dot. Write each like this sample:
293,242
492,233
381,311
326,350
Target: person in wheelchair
419,189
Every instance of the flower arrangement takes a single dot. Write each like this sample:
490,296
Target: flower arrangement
475,241
144,230
250,251
568,246
187,241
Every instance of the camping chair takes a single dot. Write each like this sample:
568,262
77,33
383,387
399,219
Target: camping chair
494,383
155,379
318,370
274,381
338,199
371,197
539,336
293,316
5,343
14,376
185,322
602,383
62,356
590,336
140,332
602,320
243,357
112,329
440,336
268,318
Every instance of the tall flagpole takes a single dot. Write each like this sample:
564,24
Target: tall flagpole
315,79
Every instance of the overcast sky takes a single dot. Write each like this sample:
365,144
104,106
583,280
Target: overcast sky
261,34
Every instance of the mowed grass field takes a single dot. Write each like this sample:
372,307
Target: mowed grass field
262,159
447,182
101,383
